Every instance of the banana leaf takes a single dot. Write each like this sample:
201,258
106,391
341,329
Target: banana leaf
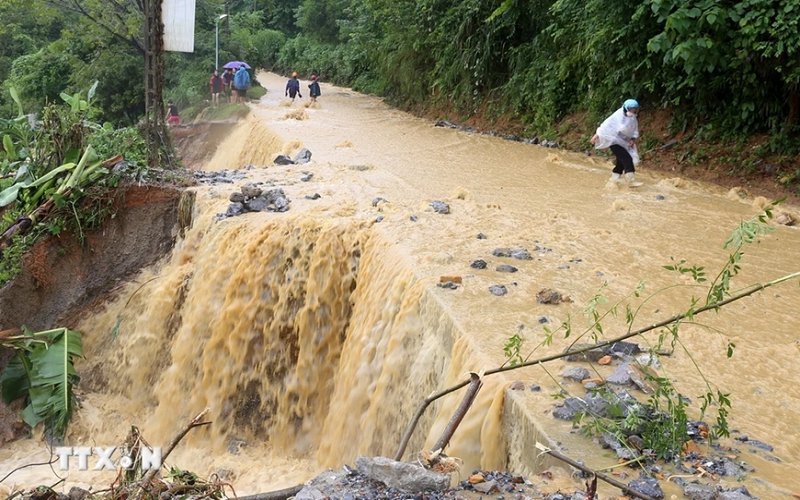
15,96
52,376
8,146
16,378
50,373
9,194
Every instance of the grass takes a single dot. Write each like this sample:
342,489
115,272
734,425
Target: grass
224,112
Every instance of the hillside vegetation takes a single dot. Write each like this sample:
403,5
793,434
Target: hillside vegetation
726,71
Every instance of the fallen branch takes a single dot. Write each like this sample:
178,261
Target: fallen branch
195,422
613,482
461,411
458,416
709,307
275,495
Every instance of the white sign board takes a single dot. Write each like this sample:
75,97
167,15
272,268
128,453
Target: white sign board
178,19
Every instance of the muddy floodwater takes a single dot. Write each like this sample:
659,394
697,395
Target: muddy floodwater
313,334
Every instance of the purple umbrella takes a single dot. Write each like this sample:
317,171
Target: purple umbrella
236,65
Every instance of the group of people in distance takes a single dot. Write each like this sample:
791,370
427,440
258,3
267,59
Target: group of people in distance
293,88
234,84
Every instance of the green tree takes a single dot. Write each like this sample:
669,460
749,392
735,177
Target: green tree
319,18
745,53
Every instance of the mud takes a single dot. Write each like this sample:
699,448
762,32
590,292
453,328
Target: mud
60,277
197,143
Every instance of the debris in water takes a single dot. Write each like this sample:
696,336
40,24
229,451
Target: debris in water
785,219
447,284
315,196
454,279
549,296
413,218
478,264
283,160
274,200
223,176
505,268
251,191
440,207
518,253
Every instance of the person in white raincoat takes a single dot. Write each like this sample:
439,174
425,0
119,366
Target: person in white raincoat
620,132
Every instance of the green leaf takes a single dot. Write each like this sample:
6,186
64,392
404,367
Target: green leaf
15,96
92,90
30,417
500,10
16,378
52,376
9,194
8,146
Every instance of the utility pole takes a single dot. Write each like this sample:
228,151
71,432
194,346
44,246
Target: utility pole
154,80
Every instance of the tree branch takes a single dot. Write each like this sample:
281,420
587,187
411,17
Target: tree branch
195,422
433,397
613,482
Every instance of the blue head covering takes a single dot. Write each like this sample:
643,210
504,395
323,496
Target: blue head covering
630,103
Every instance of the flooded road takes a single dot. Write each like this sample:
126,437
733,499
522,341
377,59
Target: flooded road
314,334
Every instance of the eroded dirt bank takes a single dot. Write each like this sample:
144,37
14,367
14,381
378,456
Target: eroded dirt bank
61,277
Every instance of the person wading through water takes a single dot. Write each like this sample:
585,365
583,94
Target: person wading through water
313,89
619,132
293,87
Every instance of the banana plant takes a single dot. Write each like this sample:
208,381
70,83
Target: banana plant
43,371
17,137
34,192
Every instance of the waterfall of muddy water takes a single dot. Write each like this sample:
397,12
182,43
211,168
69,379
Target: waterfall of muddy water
314,334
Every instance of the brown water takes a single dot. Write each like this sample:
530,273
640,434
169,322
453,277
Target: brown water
314,334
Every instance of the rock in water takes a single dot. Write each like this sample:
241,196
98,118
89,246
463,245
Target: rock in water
548,296
235,209
498,290
250,191
283,160
407,477
257,204
303,156
440,207
505,268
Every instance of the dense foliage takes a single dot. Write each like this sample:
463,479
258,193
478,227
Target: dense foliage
730,67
